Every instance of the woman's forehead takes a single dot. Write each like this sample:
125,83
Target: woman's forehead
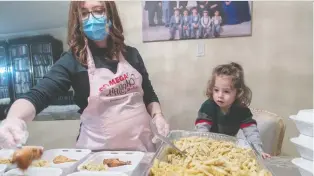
91,5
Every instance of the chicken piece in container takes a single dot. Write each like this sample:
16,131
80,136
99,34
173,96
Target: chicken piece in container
25,156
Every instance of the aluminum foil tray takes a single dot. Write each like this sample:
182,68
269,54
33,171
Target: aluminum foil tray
163,150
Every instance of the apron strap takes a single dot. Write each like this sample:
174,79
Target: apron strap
90,62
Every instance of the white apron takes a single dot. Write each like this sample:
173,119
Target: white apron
115,117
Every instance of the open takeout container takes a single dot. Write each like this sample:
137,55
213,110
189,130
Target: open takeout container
134,157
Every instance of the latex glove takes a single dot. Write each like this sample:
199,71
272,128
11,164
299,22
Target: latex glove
162,126
13,132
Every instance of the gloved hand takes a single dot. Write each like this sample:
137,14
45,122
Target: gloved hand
13,132
162,126
265,155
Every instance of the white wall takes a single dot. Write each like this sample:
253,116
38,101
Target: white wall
277,61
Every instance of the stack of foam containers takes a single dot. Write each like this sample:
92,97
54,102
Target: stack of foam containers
304,142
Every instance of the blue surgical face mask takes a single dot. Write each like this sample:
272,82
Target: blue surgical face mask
95,28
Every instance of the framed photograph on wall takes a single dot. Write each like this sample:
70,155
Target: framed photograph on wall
184,20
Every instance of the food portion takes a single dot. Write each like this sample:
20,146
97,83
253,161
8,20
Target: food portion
107,163
115,162
208,157
62,159
95,167
40,163
32,156
25,156
5,161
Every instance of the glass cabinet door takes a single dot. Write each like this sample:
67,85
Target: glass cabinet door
42,60
22,81
4,77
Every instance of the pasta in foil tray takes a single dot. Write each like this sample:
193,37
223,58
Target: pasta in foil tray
208,157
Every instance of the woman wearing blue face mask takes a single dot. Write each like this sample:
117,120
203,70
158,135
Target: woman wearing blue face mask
111,84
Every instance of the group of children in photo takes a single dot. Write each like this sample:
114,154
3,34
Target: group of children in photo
190,24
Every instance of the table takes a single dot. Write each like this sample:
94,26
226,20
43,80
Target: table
144,165
281,166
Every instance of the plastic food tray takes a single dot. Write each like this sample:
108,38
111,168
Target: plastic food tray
35,172
68,167
134,156
161,153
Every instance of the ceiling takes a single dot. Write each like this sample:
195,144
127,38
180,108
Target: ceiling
23,16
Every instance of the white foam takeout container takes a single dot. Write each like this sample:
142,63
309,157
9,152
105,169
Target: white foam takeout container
86,173
68,167
305,166
306,115
134,156
3,168
35,172
8,154
304,121
5,154
304,145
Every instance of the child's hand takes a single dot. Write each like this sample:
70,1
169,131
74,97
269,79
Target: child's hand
266,155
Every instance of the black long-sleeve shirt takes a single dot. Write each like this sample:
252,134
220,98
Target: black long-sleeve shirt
237,118
211,119
68,71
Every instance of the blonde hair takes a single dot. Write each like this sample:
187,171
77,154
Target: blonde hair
235,71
